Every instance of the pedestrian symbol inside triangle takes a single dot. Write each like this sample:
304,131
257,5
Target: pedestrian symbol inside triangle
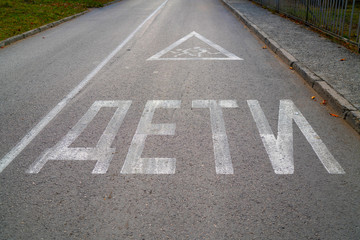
199,49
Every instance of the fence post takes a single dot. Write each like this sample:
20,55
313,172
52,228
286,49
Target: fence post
307,10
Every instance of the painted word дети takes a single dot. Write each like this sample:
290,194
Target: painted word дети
279,149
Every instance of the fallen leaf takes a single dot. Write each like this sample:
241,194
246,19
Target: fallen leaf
324,102
313,97
334,115
291,68
343,59
264,47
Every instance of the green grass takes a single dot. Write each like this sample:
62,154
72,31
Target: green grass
19,16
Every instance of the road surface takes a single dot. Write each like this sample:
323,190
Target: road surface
168,120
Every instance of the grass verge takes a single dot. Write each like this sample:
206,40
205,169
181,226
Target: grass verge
19,16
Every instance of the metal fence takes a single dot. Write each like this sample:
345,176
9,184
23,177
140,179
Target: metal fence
340,18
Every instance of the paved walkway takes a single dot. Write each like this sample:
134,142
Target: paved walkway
316,58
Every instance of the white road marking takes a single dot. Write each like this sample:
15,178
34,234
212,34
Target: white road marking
280,149
194,53
223,164
134,164
102,153
9,157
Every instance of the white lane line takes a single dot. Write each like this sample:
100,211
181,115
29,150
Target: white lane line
10,156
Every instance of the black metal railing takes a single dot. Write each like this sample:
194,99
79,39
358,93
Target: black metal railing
340,18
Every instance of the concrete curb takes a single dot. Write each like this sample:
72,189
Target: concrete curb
109,3
21,36
342,106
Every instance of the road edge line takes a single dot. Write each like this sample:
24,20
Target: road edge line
20,146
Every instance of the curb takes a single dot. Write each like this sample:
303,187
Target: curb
109,3
24,35
21,36
342,106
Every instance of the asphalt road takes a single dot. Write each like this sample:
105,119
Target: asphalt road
148,121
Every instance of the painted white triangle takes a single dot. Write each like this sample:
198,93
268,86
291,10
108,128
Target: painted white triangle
195,52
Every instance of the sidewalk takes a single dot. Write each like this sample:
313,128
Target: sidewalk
315,58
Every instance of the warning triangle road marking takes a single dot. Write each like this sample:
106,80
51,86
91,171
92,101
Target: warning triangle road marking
195,53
